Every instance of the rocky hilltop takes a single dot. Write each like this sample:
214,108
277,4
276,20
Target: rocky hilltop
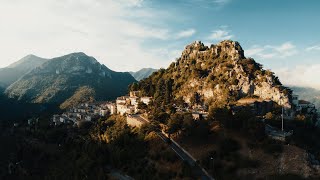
67,78
215,75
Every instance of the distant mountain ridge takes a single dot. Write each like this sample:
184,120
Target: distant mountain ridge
59,79
28,62
143,73
13,72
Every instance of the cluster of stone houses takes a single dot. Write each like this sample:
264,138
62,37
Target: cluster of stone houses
81,113
129,104
306,108
303,106
90,111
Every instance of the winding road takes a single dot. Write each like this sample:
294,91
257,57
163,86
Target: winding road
185,156
181,152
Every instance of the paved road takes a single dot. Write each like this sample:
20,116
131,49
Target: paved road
120,176
200,172
184,155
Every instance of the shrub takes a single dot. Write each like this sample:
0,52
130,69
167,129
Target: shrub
229,145
272,147
169,156
269,116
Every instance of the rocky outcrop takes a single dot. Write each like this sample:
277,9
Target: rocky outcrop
269,92
222,74
225,49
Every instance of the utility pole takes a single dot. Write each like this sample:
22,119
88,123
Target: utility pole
282,118
211,158
282,113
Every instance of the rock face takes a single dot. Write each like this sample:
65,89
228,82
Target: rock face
225,49
220,74
60,78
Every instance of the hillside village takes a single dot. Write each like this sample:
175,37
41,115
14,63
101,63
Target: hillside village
128,106
135,104
305,107
124,105
134,108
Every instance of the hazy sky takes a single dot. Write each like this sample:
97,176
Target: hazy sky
283,35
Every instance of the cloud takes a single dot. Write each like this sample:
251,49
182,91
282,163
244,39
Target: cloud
186,33
137,31
221,2
135,3
284,50
254,51
313,48
220,34
285,47
113,31
169,54
301,75
209,4
289,74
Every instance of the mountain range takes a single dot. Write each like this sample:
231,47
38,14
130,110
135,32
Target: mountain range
13,72
217,73
68,80
143,73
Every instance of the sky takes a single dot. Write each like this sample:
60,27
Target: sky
127,35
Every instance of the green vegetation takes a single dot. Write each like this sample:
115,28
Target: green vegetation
218,75
14,111
65,78
82,95
93,151
225,159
